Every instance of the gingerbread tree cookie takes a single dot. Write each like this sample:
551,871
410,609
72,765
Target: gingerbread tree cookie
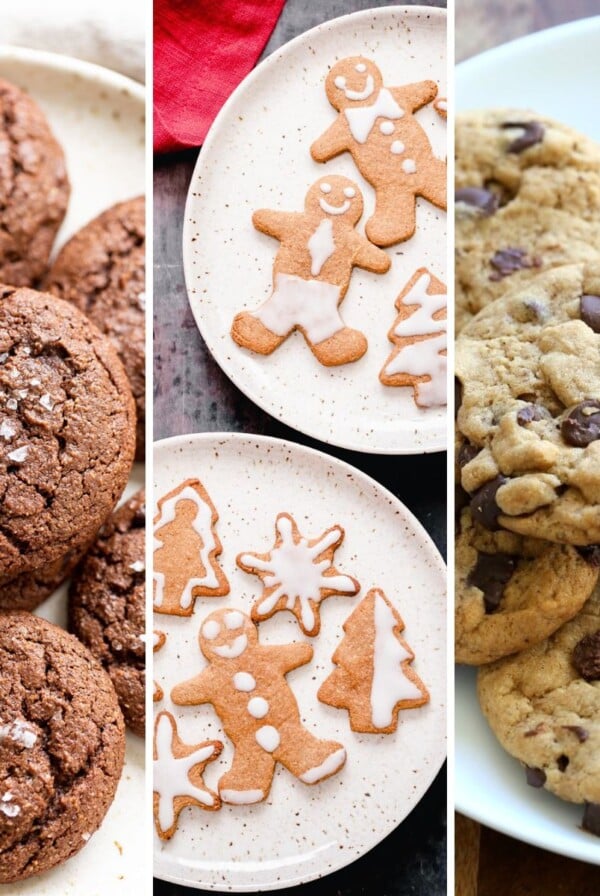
185,550
311,274
158,642
419,336
391,150
177,775
373,678
298,574
245,682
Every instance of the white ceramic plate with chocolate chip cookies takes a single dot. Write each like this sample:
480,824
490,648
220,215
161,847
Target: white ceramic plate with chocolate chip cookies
257,156
490,785
98,117
300,831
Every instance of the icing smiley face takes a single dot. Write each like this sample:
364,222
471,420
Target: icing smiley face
353,80
226,634
337,197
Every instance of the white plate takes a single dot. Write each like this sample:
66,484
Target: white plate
257,156
98,117
490,785
301,832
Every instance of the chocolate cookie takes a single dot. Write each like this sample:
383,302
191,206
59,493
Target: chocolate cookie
30,589
34,188
529,367
101,270
62,744
67,430
107,605
543,705
512,592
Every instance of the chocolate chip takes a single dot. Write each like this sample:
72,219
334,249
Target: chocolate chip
582,425
507,261
533,132
533,732
580,733
491,574
536,777
478,198
531,413
589,308
586,657
562,763
461,500
483,504
591,818
591,554
466,453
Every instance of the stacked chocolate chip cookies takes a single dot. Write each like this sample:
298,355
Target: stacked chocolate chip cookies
71,374
528,441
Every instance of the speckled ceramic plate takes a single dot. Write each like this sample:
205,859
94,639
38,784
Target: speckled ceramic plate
490,785
302,832
257,156
98,116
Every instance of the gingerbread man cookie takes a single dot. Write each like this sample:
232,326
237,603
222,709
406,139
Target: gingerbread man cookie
311,274
420,341
186,546
297,574
389,147
177,775
245,682
373,678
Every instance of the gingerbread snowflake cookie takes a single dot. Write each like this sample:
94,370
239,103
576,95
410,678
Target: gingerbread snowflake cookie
245,682
186,547
391,150
311,274
420,341
373,678
177,775
298,574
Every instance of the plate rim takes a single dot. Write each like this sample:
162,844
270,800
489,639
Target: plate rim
435,558
440,443
465,69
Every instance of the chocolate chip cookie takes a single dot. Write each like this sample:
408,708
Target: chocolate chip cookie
62,743
101,270
67,430
543,705
529,368
34,188
527,200
107,605
512,592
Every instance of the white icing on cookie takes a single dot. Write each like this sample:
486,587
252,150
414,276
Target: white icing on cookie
155,639
350,192
171,774
443,105
421,321
243,681
234,620
334,209
387,127
258,707
294,573
361,67
268,738
327,768
409,166
321,246
19,732
310,304
390,685
230,651
325,187
397,147
211,629
241,797
361,120
202,525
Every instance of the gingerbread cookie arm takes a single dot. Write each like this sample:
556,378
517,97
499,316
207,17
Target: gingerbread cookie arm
415,96
275,223
370,257
194,691
292,656
332,142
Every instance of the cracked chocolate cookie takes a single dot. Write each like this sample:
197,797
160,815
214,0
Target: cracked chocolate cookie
101,270
67,430
107,605
529,368
30,589
543,705
62,744
527,200
34,188
512,592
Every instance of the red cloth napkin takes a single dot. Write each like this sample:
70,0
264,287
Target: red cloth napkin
202,50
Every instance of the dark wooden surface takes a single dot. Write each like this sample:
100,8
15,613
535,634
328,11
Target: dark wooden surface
191,394
504,865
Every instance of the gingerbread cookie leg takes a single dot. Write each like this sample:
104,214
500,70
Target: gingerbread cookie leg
249,778
343,347
434,188
394,219
250,332
309,758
